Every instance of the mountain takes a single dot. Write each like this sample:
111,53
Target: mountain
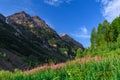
70,40
27,41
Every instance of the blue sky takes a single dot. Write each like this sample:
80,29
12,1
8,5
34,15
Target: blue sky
73,17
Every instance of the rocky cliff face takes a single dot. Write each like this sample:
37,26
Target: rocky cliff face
25,19
33,41
41,23
21,18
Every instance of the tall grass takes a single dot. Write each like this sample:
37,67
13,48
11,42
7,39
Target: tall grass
105,69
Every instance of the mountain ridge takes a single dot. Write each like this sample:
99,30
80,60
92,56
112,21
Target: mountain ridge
69,39
34,41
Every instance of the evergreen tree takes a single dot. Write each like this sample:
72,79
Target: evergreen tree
118,41
115,29
103,33
106,27
93,38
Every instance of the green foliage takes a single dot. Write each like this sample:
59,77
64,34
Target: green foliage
106,39
102,33
79,53
3,55
93,38
106,69
115,28
64,51
118,41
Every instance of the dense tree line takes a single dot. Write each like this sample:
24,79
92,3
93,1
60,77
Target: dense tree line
104,39
106,33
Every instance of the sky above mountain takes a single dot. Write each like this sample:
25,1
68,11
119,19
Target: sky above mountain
73,17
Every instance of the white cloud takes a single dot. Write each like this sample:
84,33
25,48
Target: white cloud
110,9
56,2
82,32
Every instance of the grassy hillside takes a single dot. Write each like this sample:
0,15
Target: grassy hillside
88,68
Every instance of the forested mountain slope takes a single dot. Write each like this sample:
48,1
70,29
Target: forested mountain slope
31,42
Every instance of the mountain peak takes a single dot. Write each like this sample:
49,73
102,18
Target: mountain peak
64,35
21,18
21,12
69,39
36,17
20,15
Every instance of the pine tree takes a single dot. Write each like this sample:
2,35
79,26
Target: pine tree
106,27
115,29
118,41
93,38
102,33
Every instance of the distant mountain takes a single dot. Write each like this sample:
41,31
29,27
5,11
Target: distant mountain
70,40
26,42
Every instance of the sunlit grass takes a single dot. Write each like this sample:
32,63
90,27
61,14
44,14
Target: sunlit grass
107,68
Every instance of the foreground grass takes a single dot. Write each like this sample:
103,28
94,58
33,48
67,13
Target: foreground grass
105,69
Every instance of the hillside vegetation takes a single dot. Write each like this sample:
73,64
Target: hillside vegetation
105,38
106,68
